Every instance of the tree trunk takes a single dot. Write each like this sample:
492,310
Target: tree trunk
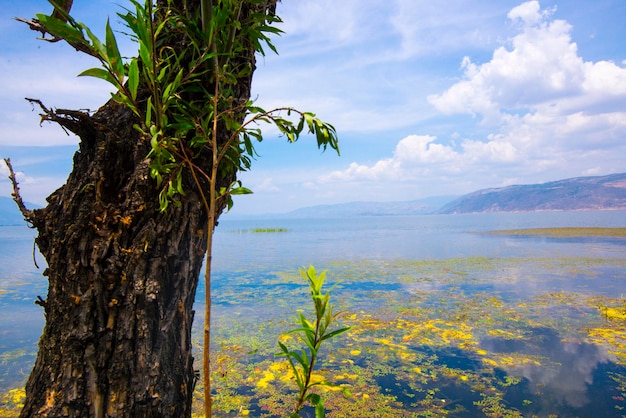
122,278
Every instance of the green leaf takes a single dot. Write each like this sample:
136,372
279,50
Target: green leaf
319,410
229,203
303,359
336,332
240,191
125,100
316,401
149,111
113,54
100,73
98,47
58,8
133,78
178,183
314,398
306,324
144,54
171,89
61,29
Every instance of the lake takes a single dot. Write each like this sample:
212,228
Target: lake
447,319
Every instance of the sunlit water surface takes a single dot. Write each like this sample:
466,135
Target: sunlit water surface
447,320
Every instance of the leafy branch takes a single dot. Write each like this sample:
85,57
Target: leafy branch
312,334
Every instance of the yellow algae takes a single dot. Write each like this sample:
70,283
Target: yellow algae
346,376
437,332
614,338
512,360
317,378
12,402
490,362
279,366
355,352
613,313
264,382
508,335
17,396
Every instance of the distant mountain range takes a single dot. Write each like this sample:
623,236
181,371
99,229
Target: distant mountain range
352,209
9,213
581,193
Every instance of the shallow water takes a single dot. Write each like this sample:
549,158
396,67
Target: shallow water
447,321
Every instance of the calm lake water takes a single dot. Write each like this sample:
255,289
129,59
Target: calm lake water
447,320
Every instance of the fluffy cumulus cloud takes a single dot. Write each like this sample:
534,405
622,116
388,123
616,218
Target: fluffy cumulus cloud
412,153
539,102
540,72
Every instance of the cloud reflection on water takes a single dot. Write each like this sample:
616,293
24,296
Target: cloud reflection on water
566,375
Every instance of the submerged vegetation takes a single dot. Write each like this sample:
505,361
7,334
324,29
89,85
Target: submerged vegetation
565,232
477,336
261,230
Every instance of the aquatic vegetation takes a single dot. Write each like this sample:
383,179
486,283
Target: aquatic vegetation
12,402
565,232
261,230
469,336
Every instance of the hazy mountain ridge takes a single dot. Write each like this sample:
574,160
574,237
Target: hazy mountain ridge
579,193
352,209
10,214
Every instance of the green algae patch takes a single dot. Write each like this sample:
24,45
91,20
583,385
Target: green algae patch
469,336
261,230
564,232
472,336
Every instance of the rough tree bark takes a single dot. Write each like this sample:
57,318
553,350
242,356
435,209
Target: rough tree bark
122,276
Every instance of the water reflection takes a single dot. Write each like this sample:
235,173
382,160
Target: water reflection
566,374
397,276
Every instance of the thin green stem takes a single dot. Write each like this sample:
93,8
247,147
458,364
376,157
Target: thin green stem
307,379
207,276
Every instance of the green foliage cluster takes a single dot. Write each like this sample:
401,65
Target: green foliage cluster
191,91
312,334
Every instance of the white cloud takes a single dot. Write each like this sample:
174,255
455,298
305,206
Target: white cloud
413,155
423,149
541,71
529,13
548,111
267,185
544,100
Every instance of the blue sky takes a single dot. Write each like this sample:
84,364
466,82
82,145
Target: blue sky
429,98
